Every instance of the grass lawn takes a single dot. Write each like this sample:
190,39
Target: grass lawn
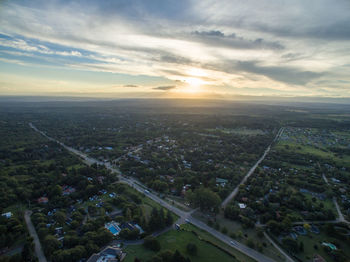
311,240
173,240
205,235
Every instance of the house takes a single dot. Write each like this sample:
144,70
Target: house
131,226
115,227
43,200
109,254
7,214
300,230
67,190
314,229
222,182
242,206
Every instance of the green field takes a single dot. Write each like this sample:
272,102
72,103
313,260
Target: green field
178,240
239,131
313,245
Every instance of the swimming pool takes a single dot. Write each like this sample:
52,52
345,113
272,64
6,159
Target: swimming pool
114,230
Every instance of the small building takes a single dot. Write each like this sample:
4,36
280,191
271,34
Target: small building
220,181
67,190
242,206
7,214
43,200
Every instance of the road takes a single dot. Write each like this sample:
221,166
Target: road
251,171
288,258
341,217
38,249
184,216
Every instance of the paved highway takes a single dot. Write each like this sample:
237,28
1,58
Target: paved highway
184,216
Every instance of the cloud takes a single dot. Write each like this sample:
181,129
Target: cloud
287,75
131,86
241,44
164,88
218,38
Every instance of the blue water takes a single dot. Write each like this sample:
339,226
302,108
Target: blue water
113,230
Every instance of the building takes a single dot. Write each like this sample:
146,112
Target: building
109,254
115,227
221,181
242,206
7,215
43,200
67,190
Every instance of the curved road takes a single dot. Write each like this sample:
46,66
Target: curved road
38,249
250,172
184,216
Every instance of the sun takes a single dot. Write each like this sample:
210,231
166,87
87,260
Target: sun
193,85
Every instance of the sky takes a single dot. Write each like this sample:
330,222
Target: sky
163,48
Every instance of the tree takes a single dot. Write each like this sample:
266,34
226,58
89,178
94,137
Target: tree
51,244
191,249
128,214
60,217
250,243
301,246
231,212
274,227
151,243
206,199
290,244
169,220
307,226
177,257
129,234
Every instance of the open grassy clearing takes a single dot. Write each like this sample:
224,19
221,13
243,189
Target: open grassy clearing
313,245
239,131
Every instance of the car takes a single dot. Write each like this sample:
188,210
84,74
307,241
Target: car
233,243
146,191
187,221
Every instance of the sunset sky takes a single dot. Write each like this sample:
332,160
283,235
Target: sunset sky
160,48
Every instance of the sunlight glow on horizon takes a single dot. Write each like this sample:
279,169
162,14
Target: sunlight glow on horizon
187,48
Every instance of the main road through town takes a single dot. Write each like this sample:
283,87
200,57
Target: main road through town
184,216
250,172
